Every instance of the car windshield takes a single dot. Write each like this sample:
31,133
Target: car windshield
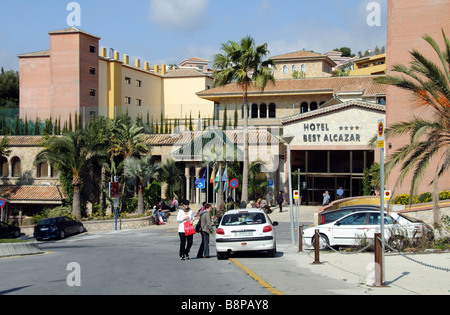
247,218
49,221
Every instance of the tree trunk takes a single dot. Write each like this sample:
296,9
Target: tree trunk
140,199
76,203
246,157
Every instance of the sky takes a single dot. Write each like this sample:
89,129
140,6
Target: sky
169,31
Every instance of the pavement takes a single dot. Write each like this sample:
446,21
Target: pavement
409,274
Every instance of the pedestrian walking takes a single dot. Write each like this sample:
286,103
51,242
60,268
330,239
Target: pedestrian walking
280,200
206,231
185,215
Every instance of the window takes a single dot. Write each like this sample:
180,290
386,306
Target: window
4,167
42,170
294,68
303,68
138,83
375,219
304,107
285,69
263,111
247,218
92,92
127,80
254,110
92,71
138,102
313,106
354,219
16,167
92,49
127,100
272,110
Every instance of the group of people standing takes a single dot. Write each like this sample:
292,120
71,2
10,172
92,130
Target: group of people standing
206,229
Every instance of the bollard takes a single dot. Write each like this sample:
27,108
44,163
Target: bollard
378,260
300,238
316,249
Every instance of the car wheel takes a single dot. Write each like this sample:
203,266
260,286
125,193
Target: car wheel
222,256
16,234
273,251
81,229
324,243
62,234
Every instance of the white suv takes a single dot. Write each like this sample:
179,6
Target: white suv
245,230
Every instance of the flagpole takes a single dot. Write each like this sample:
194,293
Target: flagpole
207,183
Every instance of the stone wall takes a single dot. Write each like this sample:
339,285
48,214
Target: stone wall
104,225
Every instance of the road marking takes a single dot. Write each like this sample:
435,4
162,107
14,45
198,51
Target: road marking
263,283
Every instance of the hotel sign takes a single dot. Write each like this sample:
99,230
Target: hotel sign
323,133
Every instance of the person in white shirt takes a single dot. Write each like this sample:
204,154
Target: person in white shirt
184,215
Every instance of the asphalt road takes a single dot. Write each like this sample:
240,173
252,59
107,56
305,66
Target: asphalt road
146,262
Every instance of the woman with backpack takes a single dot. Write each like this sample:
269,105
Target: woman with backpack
206,229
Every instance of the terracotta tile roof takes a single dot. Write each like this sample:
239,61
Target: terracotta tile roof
184,73
331,108
330,85
15,194
298,54
236,136
43,53
25,141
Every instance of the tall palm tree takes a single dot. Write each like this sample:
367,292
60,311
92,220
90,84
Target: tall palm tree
244,64
143,170
69,154
429,138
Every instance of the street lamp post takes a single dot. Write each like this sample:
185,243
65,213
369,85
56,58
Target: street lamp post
287,140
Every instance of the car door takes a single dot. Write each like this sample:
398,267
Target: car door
347,230
374,224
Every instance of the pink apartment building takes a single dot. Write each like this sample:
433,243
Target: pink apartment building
63,80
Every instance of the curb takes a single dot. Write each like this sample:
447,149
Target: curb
19,249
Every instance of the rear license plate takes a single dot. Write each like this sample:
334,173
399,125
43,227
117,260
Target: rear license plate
245,233
44,229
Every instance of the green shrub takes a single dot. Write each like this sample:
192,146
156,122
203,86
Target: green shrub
52,213
444,195
425,197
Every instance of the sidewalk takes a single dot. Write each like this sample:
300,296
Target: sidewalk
415,274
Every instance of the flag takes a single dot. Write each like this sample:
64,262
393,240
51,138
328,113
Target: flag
211,181
224,179
216,180
204,175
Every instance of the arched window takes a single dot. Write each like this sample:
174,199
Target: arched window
304,107
42,170
4,167
313,106
285,69
16,167
303,68
254,110
272,110
294,68
263,111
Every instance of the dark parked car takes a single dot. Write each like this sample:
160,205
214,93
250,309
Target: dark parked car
58,227
334,215
7,231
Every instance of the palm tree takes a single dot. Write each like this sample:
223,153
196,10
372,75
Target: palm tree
69,154
429,138
171,175
143,170
243,64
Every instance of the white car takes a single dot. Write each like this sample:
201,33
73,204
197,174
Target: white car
245,230
350,229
